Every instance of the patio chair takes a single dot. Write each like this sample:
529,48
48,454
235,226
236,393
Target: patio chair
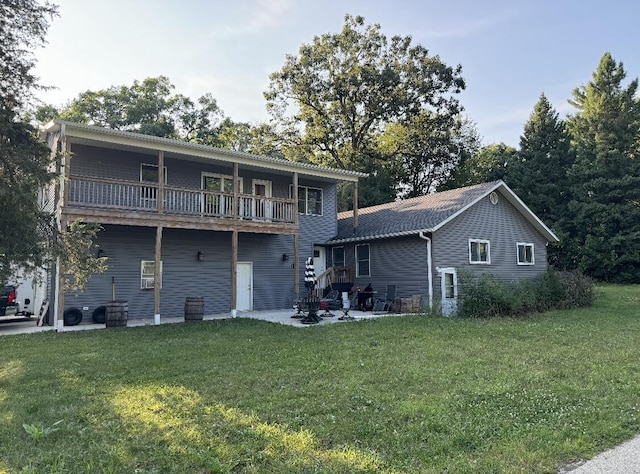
387,303
331,301
312,304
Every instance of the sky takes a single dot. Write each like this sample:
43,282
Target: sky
511,51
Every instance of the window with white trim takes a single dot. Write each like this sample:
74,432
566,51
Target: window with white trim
363,262
525,253
479,251
309,200
337,256
147,274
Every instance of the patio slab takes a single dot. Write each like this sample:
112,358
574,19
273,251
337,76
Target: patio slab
10,326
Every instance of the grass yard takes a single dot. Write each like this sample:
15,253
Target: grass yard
404,394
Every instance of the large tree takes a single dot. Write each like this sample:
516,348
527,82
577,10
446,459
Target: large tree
489,163
539,173
605,133
29,238
427,149
341,91
24,160
150,107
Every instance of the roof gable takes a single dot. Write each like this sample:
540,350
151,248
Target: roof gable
426,214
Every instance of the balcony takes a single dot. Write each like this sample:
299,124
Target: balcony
91,196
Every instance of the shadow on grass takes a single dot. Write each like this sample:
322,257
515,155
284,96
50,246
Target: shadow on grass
191,435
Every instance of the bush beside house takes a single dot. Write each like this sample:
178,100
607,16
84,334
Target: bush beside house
485,296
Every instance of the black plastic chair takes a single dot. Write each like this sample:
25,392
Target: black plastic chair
387,303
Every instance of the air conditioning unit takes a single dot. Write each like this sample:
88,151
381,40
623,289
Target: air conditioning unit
147,283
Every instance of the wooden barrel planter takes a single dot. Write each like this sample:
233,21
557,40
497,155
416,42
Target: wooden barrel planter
116,314
193,308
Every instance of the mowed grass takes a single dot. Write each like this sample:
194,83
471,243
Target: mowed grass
401,394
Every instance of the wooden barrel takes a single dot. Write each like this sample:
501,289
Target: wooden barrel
116,313
193,308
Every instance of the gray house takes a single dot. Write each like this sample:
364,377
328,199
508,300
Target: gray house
421,244
184,220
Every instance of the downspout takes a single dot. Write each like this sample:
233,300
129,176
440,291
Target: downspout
429,272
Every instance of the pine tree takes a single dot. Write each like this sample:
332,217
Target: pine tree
539,175
605,178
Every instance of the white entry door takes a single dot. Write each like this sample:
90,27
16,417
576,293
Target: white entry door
449,287
244,286
320,264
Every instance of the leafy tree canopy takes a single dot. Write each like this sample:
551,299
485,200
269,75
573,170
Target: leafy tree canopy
23,28
490,163
149,107
343,89
25,230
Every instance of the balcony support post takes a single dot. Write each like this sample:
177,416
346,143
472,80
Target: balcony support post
156,274
296,251
234,272
160,182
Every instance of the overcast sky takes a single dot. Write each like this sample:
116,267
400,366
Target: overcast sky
510,50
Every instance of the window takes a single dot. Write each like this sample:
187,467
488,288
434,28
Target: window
479,251
147,274
309,200
149,173
362,261
337,256
525,254
219,202
148,193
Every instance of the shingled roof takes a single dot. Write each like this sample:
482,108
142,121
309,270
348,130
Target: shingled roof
425,214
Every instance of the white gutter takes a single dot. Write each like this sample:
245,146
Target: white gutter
429,272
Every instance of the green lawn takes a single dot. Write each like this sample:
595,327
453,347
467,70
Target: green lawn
403,394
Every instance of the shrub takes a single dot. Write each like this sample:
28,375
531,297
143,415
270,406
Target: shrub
485,296
578,290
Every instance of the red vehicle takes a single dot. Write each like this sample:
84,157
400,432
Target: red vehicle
9,301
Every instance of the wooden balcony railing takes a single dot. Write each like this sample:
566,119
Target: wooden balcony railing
126,195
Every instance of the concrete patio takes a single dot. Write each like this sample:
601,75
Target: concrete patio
9,325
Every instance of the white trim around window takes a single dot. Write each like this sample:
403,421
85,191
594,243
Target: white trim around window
479,252
147,274
310,200
363,260
525,254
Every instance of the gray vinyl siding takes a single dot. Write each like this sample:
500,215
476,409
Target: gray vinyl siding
502,225
316,230
400,261
183,275
101,162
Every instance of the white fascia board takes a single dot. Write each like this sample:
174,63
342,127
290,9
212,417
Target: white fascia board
403,233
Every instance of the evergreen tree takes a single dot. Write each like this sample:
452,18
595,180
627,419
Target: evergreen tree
605,178
539,173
